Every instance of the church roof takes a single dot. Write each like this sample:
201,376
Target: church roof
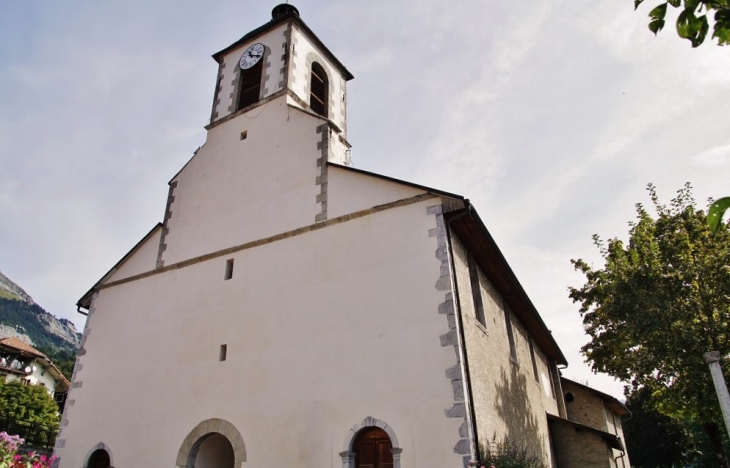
294,18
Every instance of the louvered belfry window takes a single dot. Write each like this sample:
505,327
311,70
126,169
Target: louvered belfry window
319,90
250,82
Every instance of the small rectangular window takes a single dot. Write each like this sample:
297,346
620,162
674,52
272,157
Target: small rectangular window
244,134
223,352
229,269
476,291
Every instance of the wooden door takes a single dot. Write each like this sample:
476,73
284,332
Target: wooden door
373,449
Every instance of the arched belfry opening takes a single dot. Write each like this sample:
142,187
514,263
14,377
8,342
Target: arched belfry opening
319,90
250,85
371,444
214,443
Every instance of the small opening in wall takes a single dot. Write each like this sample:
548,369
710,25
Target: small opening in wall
569,397
244,134
223,352
229,269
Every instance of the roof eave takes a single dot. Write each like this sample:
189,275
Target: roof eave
218,56
85,301
473,232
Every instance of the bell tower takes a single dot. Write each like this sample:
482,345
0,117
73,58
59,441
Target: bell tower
282,58
278,120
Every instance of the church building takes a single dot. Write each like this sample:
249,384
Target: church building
291,310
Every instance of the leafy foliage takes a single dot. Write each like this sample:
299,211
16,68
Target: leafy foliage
659,303
714,214
28,403
506,454
654,440
693,23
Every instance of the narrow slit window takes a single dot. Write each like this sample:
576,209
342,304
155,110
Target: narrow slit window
319,89
229,269
476,291
510,334
534,362
250,85
223,352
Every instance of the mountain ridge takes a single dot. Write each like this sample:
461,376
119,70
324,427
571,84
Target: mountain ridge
22,317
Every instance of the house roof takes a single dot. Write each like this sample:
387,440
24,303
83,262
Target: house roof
22,346
610,402
293,18
19,345
612,440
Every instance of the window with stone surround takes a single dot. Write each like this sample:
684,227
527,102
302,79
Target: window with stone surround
319,89
249,82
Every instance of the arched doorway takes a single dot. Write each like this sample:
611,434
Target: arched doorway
99,459
215,451
214,443
373,449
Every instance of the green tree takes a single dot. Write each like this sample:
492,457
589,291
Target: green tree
658,304
693,23
654,440
28,403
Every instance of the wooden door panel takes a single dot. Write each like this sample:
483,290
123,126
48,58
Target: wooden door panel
373,449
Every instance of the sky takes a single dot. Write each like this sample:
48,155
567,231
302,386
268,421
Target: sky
551,117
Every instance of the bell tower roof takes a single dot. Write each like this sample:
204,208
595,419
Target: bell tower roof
281,14
283,9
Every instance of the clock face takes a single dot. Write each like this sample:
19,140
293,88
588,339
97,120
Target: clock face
251,56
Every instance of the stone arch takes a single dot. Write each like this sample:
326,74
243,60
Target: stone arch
99,446
190,446
348,456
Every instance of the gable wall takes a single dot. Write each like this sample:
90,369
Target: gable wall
235,191
509,403
587,407
323,330
350,191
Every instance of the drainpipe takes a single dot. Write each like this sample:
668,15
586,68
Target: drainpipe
713,360
462,345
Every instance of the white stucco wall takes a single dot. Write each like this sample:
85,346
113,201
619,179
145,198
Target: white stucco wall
38,376
351,191
235,191
322,329
305,52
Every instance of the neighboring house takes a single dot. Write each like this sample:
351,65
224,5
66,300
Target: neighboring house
592,435
291,310
20,361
